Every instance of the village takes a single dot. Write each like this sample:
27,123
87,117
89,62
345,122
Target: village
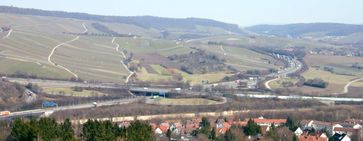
305,130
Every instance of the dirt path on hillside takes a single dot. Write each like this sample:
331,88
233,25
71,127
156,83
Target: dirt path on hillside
122,60
223,50
346,87
61,44
8,35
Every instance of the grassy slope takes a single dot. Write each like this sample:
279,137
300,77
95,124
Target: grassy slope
336,82
92,58
27,48
241,58
341,65
143,45
69,92
95,58
164,74
278,83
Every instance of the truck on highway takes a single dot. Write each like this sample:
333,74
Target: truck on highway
4,113
49,104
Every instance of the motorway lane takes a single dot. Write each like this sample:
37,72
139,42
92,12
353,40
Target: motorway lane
294,66
335,99
71,107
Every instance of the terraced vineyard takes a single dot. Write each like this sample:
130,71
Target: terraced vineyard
63,48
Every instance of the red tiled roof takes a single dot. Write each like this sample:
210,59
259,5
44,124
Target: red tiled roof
226,124
191,127
339,129
223,130
275,121
312,138
164,127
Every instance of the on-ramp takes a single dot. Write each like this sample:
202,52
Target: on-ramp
267,83
346,87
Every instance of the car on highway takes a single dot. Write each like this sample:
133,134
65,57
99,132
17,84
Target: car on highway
4,113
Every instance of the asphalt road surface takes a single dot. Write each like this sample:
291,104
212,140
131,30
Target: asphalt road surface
71,107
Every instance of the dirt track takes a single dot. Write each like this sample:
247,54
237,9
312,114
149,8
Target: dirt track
122,60
61,44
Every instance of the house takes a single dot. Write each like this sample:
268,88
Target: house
319,126
350,132
357,126
164,127
268,122
192,125
158,131
224,128
219,123
317,137
340,137
298,132
176,128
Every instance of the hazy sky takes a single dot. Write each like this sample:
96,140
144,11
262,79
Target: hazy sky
242,12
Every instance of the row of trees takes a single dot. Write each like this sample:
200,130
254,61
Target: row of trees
47,129
319,83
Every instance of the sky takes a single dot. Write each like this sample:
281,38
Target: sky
241,12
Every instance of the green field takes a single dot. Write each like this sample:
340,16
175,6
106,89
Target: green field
340,64
279,83
336,82
142,45
164,74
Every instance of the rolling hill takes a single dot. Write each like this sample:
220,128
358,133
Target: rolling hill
164,25
301,29
59,46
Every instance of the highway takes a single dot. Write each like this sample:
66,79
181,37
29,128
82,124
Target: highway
294,66
71,107
296,97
